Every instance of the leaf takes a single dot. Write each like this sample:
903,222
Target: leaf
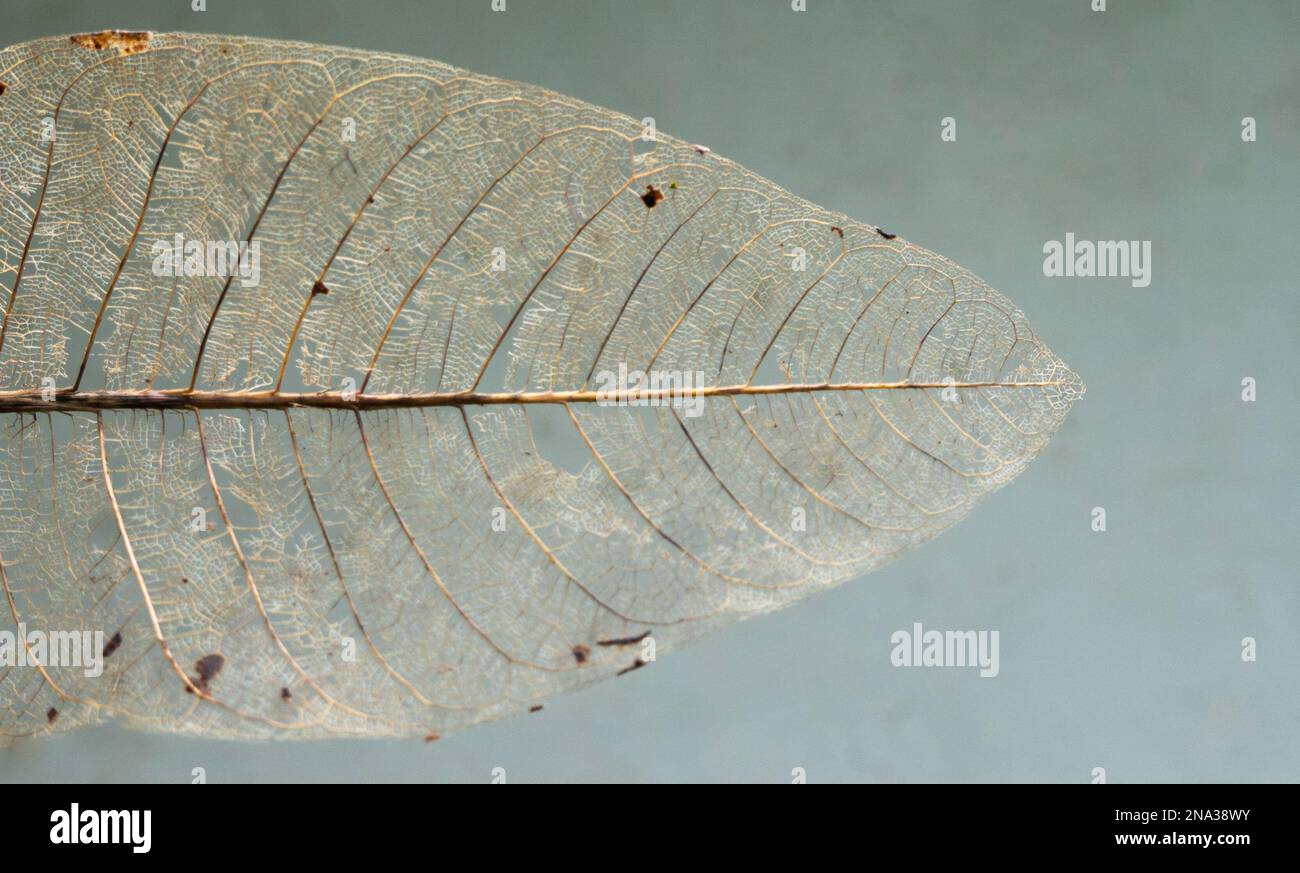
379,490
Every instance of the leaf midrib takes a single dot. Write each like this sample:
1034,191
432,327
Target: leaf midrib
34,401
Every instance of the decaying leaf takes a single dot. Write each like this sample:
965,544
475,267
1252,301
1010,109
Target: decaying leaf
347,393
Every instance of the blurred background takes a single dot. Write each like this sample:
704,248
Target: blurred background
1119,649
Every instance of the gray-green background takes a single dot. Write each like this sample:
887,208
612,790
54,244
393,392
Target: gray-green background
1119,649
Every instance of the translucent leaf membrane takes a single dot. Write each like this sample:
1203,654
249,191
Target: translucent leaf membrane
370,485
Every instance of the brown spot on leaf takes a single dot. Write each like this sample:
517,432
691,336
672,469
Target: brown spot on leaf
581,653
127,42
208,667
3,86
113,645
432,737
51,715
838,230
636,665
537,708
286,695
623,641
652,196
319,288
886,234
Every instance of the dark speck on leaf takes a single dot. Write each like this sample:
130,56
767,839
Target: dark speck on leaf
432,737
636,665
652,196
581,653
319,288
839,231
537,708
886,234
2,88
286,695
113,645
51,715
623,641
